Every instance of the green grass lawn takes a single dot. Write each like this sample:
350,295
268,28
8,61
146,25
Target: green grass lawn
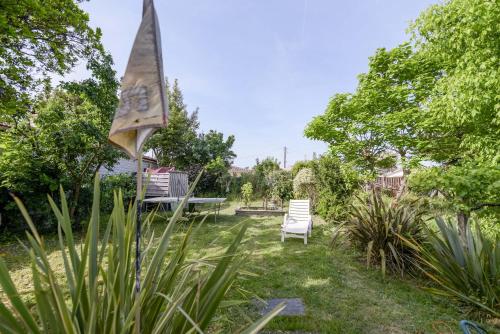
339,293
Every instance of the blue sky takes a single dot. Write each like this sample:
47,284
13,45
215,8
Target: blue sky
260,70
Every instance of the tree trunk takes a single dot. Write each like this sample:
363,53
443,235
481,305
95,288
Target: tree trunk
463,221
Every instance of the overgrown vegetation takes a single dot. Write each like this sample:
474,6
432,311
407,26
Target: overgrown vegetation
61,141
281,185
97,295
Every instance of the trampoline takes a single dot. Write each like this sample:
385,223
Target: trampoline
217,201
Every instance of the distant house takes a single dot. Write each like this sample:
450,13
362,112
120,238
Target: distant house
238,171
129,166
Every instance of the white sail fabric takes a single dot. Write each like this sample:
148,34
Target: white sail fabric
143,103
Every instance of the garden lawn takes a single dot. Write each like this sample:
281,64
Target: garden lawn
339,293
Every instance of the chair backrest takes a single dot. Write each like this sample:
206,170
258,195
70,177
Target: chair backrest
298,209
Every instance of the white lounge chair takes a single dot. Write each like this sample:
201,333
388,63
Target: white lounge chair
297,223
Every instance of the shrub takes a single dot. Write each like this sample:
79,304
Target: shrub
280,184
246,193
237,182
300,165
335,182
125,182
377,227
304,185
469,271
97,293
262,169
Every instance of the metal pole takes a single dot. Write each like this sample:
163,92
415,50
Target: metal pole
138,244
284,157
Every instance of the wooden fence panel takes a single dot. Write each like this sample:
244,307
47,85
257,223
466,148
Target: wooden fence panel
171,184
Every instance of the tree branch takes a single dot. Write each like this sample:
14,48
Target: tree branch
482,205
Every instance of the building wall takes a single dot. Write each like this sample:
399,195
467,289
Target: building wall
126,166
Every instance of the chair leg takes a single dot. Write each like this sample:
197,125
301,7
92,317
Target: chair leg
282,236
305,239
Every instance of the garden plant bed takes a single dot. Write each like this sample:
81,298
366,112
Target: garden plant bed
258,211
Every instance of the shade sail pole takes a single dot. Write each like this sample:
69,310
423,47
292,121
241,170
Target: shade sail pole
138,243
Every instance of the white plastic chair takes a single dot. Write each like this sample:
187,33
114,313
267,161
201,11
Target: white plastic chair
297,223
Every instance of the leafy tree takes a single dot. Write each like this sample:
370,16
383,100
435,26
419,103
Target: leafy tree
351,133
266,166
281,185
461,129
462,111
212,146
468,188
434,98
175,144
262,169
390,95
66,141
39,38
180,145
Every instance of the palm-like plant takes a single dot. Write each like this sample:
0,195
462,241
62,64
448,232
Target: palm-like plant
376,227
97,294
469,271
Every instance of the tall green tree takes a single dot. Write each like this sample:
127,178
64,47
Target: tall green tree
434,98
390,95
352,133
463,110
39,38
65,141
175,144
182,146
461,128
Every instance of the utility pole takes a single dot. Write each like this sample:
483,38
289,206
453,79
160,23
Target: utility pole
284,157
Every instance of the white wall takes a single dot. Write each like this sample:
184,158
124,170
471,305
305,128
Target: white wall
125,166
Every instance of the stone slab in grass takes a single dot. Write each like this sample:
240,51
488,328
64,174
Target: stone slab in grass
294,306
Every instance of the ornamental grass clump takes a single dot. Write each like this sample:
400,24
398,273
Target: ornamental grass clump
376,226
97,294
465,269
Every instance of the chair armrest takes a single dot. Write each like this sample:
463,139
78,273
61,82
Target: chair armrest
285,219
